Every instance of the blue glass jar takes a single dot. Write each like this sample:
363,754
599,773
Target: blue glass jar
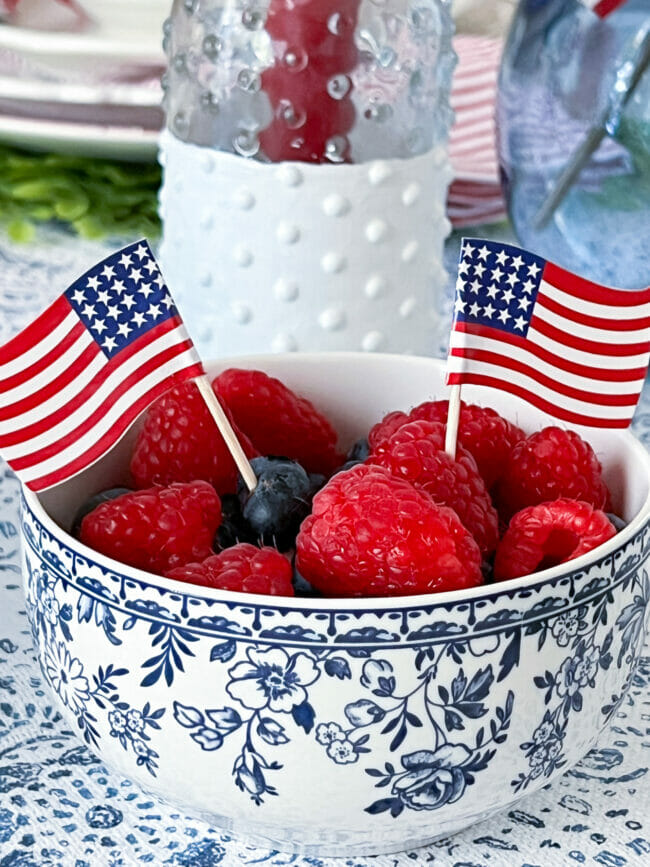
564,71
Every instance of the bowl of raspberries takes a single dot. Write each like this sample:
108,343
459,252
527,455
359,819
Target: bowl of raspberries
376,646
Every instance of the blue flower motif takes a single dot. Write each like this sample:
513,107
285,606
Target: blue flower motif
327,733
433,778
578,671
567,625
134,720
271,678
342,752
117,721
65,675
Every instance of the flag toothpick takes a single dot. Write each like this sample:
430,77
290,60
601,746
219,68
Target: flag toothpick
75,379
453,418
228,434
574,349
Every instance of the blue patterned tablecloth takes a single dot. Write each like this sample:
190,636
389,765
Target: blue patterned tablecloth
60,807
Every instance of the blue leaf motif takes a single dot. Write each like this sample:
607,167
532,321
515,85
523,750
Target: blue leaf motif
303,715
224,652
338,667
226,719
209,739
363,712
187,716
271,732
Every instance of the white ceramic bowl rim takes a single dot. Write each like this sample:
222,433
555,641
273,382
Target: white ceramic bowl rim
526,582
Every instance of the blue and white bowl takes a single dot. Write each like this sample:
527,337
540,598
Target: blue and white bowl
341,726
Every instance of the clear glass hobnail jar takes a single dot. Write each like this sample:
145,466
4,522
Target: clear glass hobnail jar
305,155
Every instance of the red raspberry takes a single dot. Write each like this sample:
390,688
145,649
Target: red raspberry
156,529
278,421
372,534
415,452
482,431
180,442
550,464
243,568
547,534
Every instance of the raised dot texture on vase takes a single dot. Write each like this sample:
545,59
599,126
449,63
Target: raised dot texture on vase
244,199
205,279
333,263
286,290
284,343
410,251
411,194
376,231
376,286
242,256
291,176
336,205
407,307
373,341
287,233
379,172
241,312
332,319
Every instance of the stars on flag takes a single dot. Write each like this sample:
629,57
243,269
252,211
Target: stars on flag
496,287
122,299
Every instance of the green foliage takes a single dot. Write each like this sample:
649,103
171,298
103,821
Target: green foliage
96,198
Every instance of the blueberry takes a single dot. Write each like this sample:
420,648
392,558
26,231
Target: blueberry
359,451
93,502
317,481
619,523
302,587
233,528
280,502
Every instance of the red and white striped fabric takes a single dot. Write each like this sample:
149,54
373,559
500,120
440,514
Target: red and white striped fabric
602,8
574,349
475,194
73,381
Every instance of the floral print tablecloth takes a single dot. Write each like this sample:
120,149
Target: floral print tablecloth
60,807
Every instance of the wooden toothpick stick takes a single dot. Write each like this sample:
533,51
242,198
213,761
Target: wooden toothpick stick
225,428
453,418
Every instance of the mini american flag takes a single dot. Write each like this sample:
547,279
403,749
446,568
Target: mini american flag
576,350
602,8
73,381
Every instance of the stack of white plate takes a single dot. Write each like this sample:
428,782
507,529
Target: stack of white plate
85,82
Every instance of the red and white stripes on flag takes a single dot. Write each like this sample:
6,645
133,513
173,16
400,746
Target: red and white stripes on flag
602,8
576,350
73,380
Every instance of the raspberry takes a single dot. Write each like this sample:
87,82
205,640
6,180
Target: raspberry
482,431
550,464
415,452
243,568
180,442
372,534
156,529
547,534
278,421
